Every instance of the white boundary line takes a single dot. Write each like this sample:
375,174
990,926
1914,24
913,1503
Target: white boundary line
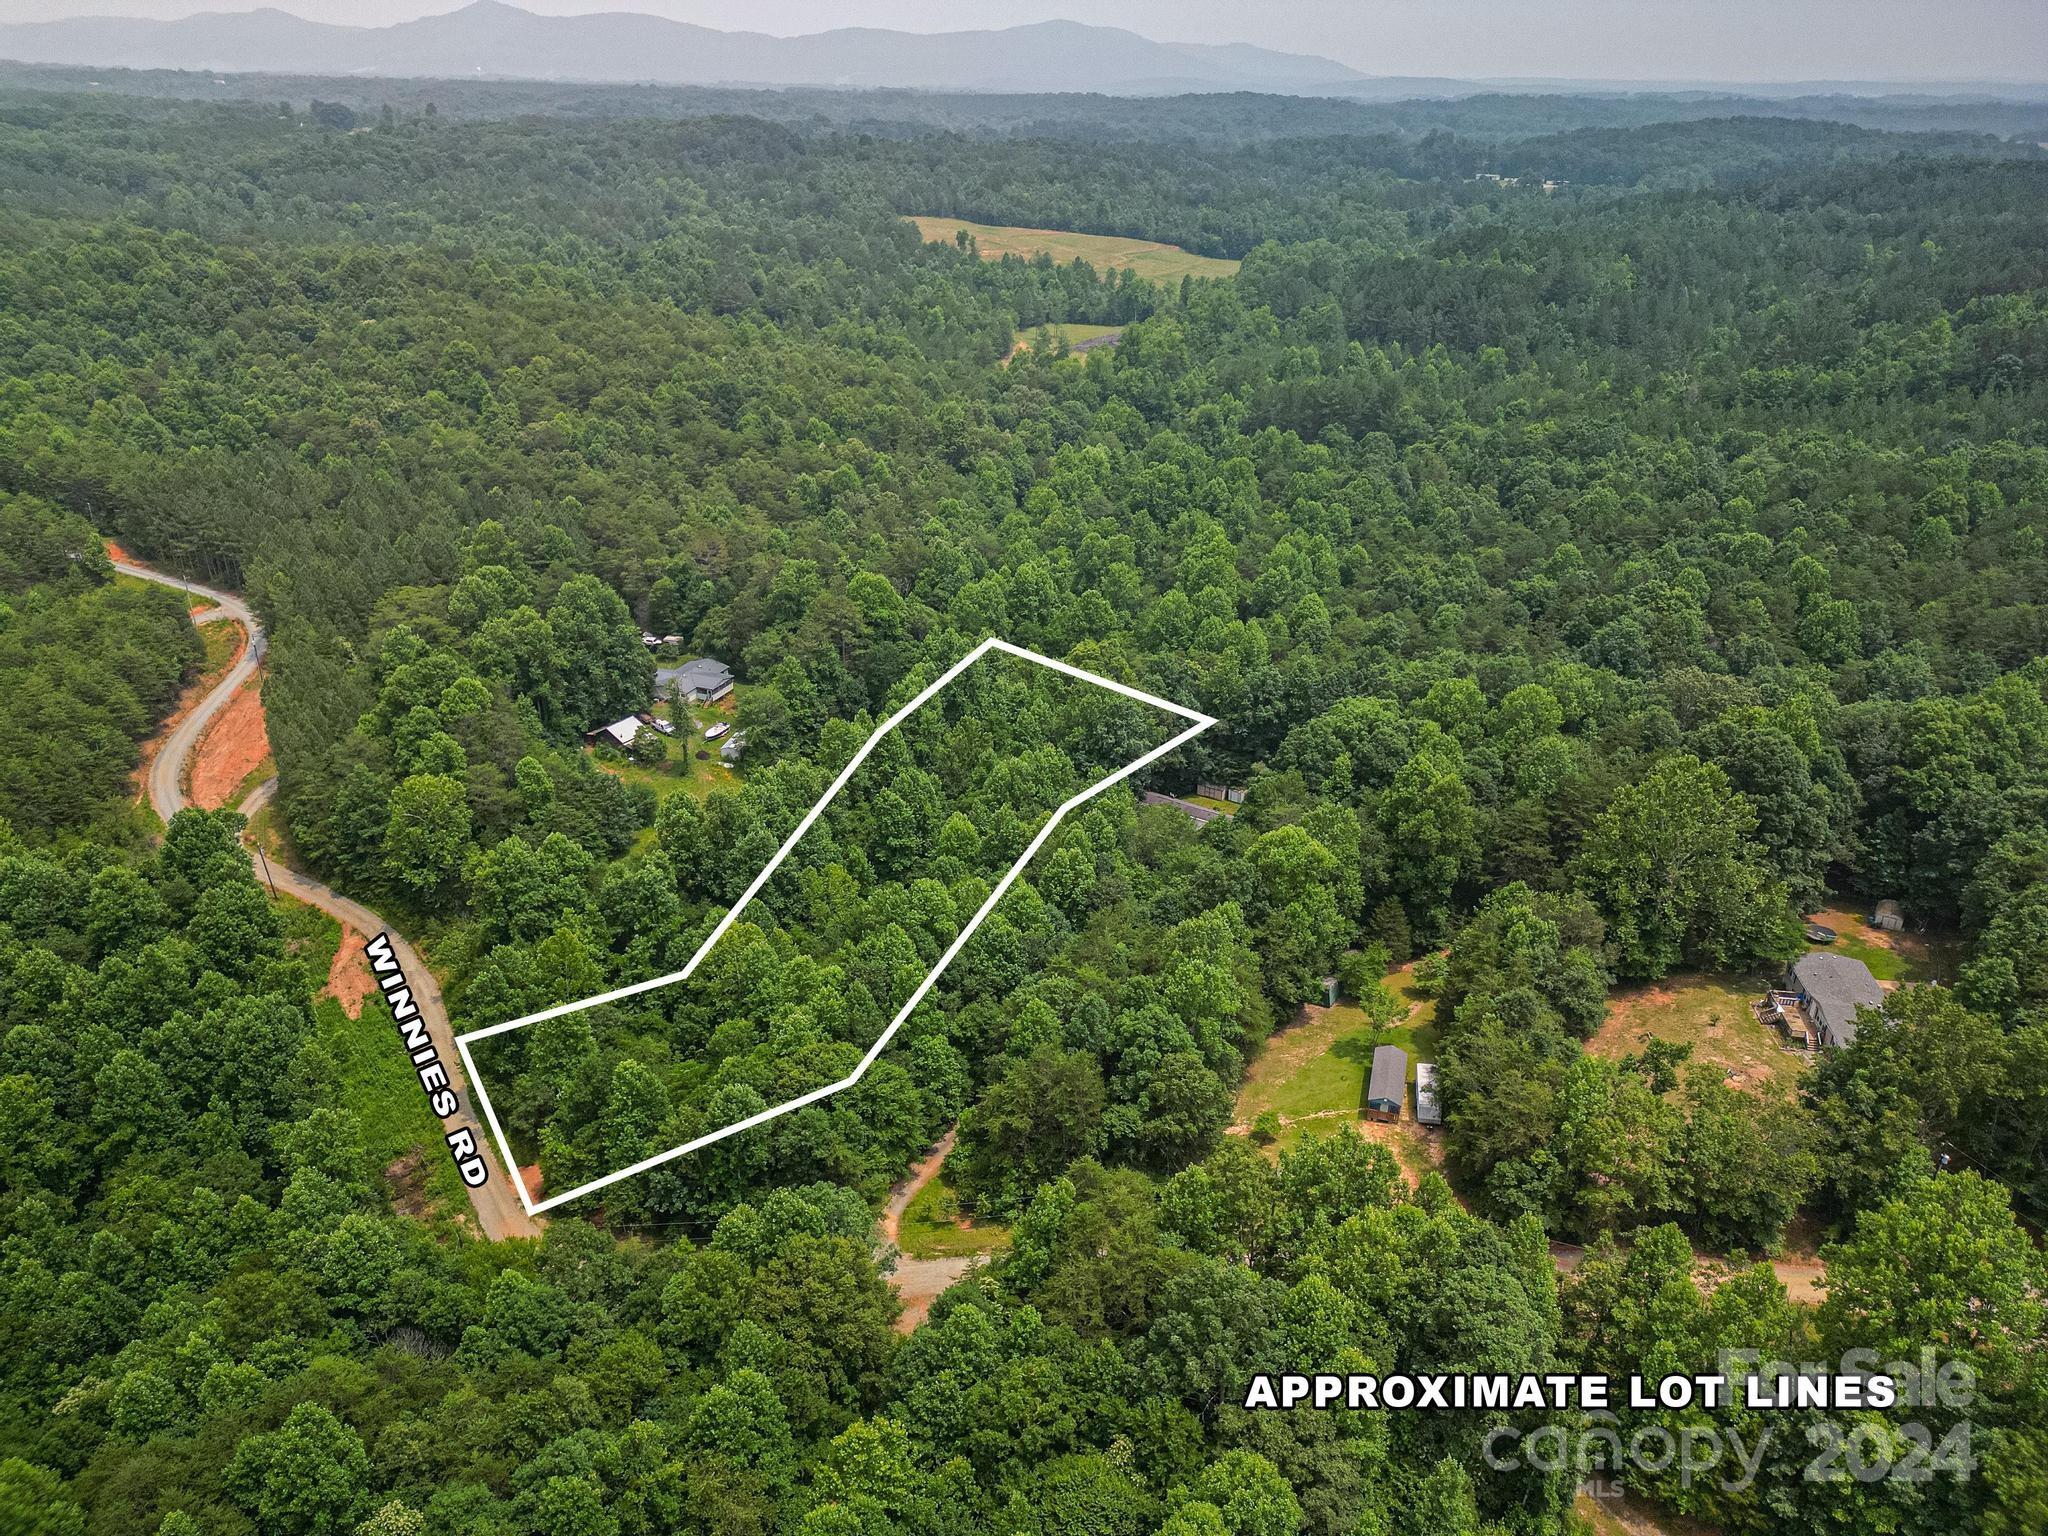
1202,723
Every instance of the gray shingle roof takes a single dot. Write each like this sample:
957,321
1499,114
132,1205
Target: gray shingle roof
704,672
1389,1082
1836,986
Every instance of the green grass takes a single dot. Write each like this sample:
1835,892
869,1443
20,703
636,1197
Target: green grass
1885,964
221,640
1065,331
377,1082
925,1234
682,770
1149,259
1215,805
1332,1080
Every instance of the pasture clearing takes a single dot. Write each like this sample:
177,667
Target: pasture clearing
1711,1014
1150,259
1076,338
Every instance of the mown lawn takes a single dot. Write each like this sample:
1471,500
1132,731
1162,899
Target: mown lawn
1896,957
1318,1066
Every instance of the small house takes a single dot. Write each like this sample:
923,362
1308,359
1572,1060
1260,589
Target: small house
1429,1109
703,680
1386,1091
1889,916
620,733
1833,989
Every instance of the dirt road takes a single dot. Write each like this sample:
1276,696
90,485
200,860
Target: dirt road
167,769
919,1282
497,1208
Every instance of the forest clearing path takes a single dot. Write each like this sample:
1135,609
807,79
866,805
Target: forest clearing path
920,1282
497,1209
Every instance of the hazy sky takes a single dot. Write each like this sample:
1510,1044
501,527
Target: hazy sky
1585,39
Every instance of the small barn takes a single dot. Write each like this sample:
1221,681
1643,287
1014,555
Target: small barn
620,733
1429,1110
1386,1091
1833,989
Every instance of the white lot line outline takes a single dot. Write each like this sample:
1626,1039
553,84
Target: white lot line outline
1202,723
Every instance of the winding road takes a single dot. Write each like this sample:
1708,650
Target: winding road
498,1211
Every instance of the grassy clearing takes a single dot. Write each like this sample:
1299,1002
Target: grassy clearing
1711,1014
223,642
1067,333
683,770
932,1227
1215,805
1147,258
1316,1068
1892,957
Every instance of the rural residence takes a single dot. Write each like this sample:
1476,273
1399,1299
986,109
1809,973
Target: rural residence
704,680
1832,990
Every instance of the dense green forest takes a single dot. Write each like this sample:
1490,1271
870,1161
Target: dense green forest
1586,587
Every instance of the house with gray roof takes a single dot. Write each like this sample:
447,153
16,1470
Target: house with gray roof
1386,1091
704,680
1833,989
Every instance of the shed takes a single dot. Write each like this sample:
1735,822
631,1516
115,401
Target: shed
1428,1109
1834,989
1386,1091
734,745
702,680
620,733
1889,916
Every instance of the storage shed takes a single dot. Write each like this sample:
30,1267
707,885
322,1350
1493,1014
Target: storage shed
1386,1091
620,733
1889,916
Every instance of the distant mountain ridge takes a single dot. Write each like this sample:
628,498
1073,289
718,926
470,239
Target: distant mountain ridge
488,38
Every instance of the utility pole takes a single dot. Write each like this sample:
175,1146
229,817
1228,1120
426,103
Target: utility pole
267,880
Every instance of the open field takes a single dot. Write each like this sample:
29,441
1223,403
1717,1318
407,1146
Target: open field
1710,1014
1147,258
